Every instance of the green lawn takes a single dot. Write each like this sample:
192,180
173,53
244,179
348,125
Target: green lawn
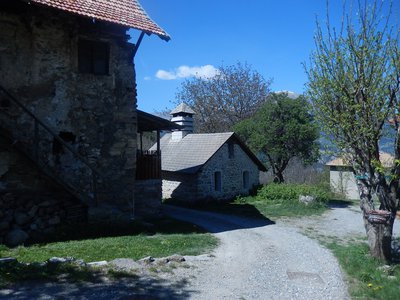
272,201
107,241
368,278
103,241
109,248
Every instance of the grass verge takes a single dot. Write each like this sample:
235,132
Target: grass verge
368,278
109,248
97,242
271,201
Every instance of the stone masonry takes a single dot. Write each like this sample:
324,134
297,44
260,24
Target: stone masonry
95,114
201,186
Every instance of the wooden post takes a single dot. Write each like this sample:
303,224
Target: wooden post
36,141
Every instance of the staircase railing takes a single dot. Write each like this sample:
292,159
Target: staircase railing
36,139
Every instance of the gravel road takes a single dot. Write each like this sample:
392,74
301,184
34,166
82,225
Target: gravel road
255,260
260,260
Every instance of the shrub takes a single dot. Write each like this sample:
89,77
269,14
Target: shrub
291,192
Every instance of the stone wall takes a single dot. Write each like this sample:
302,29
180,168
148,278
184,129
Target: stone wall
95,114
148,197
201,186
231,174
31,204
179,186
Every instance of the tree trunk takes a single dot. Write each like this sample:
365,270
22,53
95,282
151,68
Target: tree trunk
379,238
378,225
278,177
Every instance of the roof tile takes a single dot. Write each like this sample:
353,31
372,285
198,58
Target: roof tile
124,12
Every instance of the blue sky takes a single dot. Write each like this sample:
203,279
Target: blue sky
274,36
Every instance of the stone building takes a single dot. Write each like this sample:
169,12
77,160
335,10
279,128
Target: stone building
68,119
198,167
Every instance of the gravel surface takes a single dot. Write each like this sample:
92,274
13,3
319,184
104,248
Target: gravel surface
262,261
256,260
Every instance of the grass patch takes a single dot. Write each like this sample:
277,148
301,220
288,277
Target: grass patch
109,248
271,201
164,237
119,228
368,278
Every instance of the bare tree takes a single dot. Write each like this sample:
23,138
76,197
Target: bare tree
354,80
225,99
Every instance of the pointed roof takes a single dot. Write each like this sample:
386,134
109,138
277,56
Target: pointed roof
189,154
123,12
182,108
386,159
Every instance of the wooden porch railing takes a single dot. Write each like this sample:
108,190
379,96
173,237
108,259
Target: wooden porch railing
148,165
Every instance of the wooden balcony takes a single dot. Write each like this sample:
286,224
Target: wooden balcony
148,165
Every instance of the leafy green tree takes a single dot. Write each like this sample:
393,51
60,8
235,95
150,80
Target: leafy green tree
354,79
232,95
282,129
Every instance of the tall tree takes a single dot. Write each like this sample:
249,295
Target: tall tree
354,79
225,99
282,129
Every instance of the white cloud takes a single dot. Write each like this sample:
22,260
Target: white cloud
147,78
207,71
164,75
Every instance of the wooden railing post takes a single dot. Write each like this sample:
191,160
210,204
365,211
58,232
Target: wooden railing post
36,140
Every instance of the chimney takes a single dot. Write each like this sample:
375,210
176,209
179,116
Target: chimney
183,116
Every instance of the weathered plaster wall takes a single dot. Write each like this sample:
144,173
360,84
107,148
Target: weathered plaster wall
343,182
39,66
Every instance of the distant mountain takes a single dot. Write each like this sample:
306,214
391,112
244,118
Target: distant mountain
290,94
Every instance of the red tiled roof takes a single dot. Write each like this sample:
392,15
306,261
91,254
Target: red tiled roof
124,12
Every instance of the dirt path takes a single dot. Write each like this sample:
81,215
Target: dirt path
256,260
260,260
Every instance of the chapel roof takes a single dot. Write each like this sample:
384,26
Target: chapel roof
128,13
182,108
193,151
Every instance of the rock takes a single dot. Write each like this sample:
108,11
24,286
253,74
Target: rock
125,263
147,260
176,258
55,220
60,260
385,268
21,218
7,260
33,210
4,225
306,199
16,237
45,203
8,197
98,263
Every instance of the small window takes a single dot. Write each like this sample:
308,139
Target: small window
245,179
231,150
217,181
93,57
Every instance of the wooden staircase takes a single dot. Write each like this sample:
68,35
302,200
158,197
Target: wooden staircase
36,140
